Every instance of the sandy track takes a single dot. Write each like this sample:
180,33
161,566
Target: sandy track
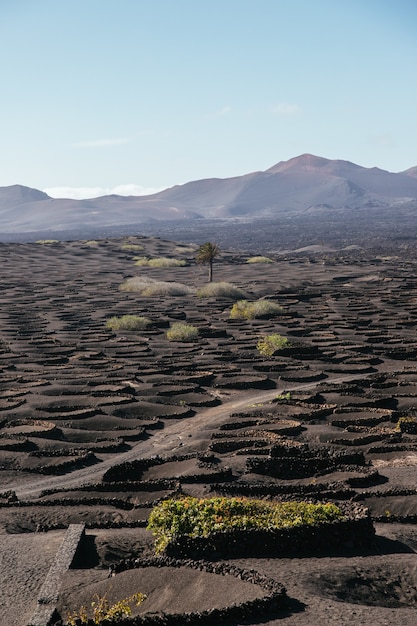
178,437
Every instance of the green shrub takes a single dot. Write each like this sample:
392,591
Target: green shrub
182,332
186,249
243,309
150,287
162,261
128,322
101,610
46,242
132,247
407,425
283,397
269,344
259,259
196,517
221,290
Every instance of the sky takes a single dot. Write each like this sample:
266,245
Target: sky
135,96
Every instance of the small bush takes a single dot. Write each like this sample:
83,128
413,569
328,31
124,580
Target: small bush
407,425
132,247
46,242
186,249
271,343
221,290
283,397
128,322
259,259
182,332
201,516
162,261
101,610
243,309
150,287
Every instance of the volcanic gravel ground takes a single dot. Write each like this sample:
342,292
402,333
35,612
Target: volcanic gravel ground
96,426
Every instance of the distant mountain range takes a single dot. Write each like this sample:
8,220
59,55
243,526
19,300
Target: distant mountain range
304,184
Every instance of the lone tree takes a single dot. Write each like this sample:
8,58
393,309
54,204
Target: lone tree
206,254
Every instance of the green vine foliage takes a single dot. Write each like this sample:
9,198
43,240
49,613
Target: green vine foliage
101,610
128,322
271,343
182,332
201,517
246,310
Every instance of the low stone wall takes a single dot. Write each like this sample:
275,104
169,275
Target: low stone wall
288,463
332,491
118,503
75,461
233,445
94,524
382,449
221,474
133,470
126,486
394,492
397,519
48,595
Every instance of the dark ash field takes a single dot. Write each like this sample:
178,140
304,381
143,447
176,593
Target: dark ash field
79,400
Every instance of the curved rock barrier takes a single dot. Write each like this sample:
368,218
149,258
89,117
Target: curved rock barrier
68,463
28,428
133,470
133,485
272,601
244,382
288,462
330,491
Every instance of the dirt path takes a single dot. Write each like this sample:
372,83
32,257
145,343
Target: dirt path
180,436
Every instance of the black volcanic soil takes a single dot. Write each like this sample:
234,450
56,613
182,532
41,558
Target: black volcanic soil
96,426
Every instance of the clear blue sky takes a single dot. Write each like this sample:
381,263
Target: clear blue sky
101,96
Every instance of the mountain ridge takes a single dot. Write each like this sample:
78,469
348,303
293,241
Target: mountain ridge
303,183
